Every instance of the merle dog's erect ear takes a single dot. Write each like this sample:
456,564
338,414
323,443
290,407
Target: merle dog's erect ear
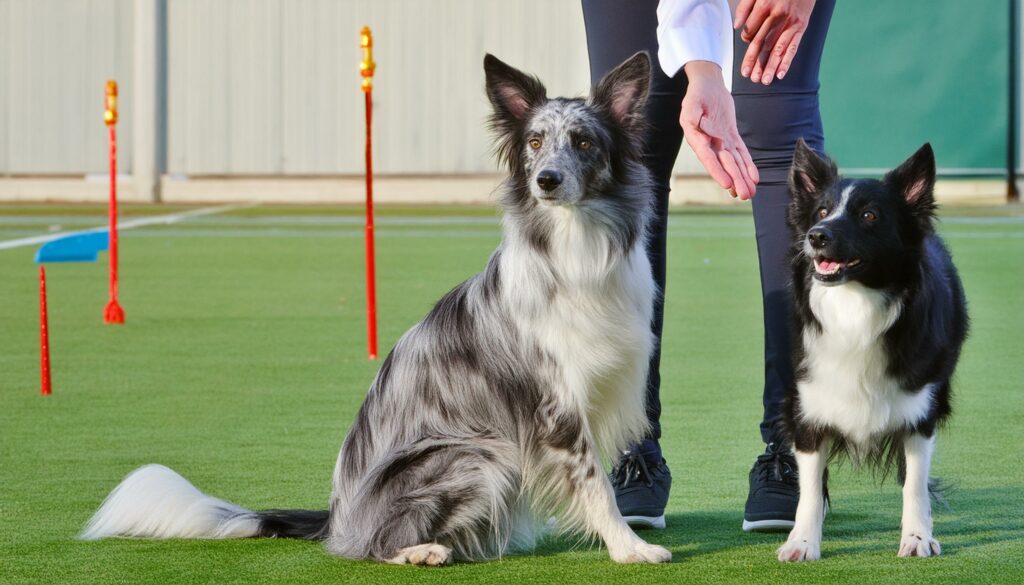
622,93
512,92
810,173
915,179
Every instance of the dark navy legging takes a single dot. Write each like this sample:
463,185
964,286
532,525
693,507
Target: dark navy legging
770,119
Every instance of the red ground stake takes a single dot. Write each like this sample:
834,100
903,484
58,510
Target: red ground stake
44,336
112,313
366,69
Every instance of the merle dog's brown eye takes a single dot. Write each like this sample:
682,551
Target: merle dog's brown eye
534,143
583,145
870,216
822,213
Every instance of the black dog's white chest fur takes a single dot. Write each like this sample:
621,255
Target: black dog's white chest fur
846,382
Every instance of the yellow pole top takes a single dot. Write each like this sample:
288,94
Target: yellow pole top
367,66
110,114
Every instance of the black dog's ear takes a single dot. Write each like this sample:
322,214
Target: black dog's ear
810,173
622,92
512,92
915,181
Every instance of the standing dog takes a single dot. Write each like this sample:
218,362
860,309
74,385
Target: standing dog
880,318
495,410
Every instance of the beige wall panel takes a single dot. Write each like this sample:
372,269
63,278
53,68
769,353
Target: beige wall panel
272,87
6,141
56,57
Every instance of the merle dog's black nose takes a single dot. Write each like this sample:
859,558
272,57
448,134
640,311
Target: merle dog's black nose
548,180
819,237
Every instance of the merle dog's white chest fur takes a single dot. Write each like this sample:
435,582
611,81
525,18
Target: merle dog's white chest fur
846,385
593,317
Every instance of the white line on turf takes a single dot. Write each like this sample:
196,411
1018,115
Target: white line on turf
438,220
398,226
126,225
386,233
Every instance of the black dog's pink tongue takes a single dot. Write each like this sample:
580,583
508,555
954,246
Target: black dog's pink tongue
827,266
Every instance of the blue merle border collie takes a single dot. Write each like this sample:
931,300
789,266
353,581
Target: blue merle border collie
880,318
499,409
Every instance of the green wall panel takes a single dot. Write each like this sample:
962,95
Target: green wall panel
898,73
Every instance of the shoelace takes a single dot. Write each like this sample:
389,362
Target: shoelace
771,464
631,468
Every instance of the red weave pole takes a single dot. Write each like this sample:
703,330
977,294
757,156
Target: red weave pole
371,270
112,313
366,69
44,337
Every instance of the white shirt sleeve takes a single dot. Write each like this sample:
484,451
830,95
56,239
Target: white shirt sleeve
695,30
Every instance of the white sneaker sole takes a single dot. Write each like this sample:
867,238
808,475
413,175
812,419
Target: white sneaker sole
767,525
773,525
646,521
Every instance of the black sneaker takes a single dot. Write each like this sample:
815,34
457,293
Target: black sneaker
774,492
641,481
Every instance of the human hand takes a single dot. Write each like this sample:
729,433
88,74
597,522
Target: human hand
708,119
774,29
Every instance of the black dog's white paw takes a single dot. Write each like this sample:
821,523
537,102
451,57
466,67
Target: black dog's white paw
800,549
919,544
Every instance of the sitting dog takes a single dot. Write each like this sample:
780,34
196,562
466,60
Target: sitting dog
880,317
498,409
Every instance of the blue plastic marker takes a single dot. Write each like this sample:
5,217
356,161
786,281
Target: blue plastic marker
82,247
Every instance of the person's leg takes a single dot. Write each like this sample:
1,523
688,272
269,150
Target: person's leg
771,119
615,31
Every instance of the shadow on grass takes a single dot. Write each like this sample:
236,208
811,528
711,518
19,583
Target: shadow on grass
857,525
972,518
687,535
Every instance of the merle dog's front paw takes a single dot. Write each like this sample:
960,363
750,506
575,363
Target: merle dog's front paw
798,549
919,544
428,555
642,552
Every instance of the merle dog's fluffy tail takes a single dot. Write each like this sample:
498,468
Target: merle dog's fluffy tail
155,502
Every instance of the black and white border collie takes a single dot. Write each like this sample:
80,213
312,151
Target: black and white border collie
880,319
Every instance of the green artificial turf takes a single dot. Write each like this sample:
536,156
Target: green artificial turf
243,362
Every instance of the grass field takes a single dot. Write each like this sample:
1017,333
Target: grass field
243,362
